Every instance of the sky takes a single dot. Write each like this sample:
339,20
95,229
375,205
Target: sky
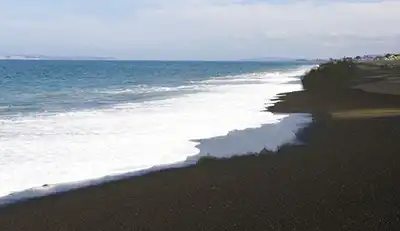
199,29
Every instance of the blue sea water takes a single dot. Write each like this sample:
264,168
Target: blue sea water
68,121
53,86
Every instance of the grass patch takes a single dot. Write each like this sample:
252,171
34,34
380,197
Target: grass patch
206,160
367,113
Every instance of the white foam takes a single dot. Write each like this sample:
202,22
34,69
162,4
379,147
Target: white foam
138,89
252,140
269,77
73,147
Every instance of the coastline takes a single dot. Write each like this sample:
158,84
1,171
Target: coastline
263,129
114,138
249,141
343,176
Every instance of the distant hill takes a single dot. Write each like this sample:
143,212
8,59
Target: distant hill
282,59
44,57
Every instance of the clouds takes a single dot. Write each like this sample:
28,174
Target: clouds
200,29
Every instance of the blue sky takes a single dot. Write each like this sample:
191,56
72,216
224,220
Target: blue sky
199,29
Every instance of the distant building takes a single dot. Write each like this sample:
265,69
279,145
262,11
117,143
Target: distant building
392,57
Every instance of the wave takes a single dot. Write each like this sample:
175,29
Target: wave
283,76
237,142
144,89
131,137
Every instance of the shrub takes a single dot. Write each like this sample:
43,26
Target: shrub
331,76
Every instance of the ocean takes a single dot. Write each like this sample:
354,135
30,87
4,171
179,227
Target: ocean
63,122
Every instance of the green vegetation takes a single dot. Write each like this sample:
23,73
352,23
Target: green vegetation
367,113
338,76
330,77
206,160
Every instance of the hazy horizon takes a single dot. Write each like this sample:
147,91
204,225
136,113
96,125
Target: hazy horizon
84,58
199,29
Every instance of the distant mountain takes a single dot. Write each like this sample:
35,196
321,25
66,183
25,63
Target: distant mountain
44,57
282,59
269,59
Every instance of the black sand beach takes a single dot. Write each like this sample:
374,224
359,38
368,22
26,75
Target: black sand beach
344,177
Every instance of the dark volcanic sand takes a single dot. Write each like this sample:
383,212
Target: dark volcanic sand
347,177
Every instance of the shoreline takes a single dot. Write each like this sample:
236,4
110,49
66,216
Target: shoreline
288,130
342,176
207,147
